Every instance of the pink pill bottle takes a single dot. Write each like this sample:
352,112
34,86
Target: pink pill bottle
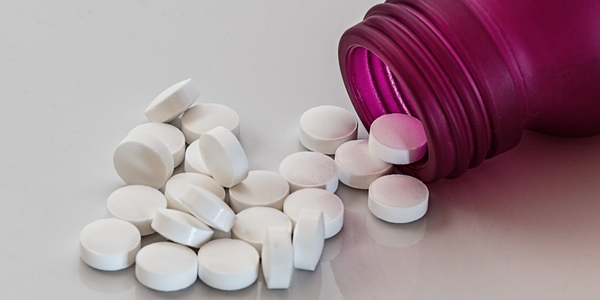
476,73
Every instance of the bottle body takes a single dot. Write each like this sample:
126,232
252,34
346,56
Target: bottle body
476,73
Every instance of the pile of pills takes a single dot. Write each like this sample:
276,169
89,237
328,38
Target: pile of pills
277,221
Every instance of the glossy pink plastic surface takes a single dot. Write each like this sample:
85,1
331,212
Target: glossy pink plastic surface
476,73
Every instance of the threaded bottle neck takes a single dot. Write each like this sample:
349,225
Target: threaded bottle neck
398,60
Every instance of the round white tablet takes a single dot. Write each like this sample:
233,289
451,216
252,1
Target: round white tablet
277,258
172,102
398,198
227,264
181,228
358,167
136,204
207,207
143,159
201,118
260,188
324,128
193,160
109,244
308,169
224,156
176,184
398,139
329,203
309,239
166,266
252,223
169,135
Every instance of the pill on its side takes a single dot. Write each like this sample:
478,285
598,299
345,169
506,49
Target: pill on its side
172,102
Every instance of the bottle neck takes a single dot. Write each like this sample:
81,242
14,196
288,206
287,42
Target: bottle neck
403,59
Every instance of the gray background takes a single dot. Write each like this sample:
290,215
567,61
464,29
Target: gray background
75,77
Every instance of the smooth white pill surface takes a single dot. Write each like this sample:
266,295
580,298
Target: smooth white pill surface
109,244
136,204
357,166
193,160
227,264
176,184
317,199
252,223
181,227
172,102
309,239
201,118
260,188
324,128
168,134
277,258
398,139
143,159
207,207
166,266
224,156
398,198
308,169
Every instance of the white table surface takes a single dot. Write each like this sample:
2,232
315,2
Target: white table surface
75,77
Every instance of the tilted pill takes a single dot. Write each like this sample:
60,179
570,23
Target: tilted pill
201,118
166,266
309,239
252,223
357,166
308,169
317,199
177,183
193,160
170,135
398,139
172,102
260,188
181,227
224,156
227,264
277,258
109,244
136,204
324,128
207,207
398,198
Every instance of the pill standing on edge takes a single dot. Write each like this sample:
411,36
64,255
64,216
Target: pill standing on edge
172,102
201,118
329,203
277,259
207,207
358,167
181,228
398,198
398,139
324,128
136,204
166,266
260,188
170,135
252,223
309,239
224,156
109,244
228,264
193,160
177,183
308,169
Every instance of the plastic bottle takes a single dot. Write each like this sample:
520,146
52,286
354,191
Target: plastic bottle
476,73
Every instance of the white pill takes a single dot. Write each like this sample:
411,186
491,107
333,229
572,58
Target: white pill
172,102
181,228
227,264
207,207
277,258
176,184
166,266
193,160
324,128
252,223
398,139
201,118
260,188
224,156
169,135
308,169
109,244
358,167
309,239
398,198
136,204
143,159
329,203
